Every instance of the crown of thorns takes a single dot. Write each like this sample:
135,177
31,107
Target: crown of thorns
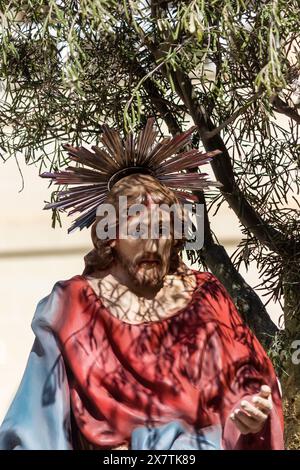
118,158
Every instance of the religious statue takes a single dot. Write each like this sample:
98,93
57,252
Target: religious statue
140,351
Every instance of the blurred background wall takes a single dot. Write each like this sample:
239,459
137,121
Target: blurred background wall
33,256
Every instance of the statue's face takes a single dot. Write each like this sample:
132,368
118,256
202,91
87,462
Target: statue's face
146,260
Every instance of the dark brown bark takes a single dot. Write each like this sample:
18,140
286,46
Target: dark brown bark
223,170
215,256
281,107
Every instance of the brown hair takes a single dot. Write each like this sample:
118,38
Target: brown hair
136,187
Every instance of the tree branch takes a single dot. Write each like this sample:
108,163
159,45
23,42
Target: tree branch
222,167
215,256
281,107
232,118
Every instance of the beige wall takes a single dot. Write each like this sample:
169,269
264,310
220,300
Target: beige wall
33,257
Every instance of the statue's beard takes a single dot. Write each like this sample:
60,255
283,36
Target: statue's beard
143,277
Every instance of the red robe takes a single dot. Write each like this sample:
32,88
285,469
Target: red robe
195,367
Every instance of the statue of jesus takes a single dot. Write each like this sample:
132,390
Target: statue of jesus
142,352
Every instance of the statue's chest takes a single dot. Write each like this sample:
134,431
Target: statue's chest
128,307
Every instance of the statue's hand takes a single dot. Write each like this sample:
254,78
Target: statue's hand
251,417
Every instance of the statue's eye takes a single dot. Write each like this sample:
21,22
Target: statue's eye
161,230
138,231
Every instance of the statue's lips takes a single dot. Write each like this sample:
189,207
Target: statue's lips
148,263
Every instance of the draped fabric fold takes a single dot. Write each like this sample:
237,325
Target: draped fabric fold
166,382
39,416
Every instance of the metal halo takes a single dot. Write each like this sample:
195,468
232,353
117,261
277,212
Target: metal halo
125,172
